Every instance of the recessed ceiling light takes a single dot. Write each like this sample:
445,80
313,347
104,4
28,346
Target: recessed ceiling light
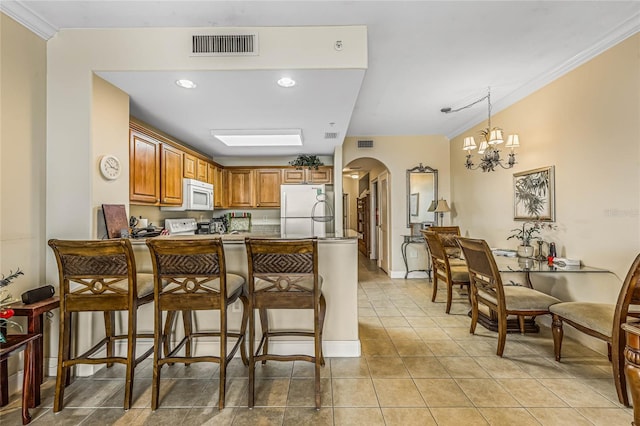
270,137
187,84
286,82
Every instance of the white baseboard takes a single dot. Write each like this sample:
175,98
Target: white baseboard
331,349
412,275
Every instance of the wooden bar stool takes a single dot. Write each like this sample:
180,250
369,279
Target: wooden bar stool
191,275
99,276
283,274
29,384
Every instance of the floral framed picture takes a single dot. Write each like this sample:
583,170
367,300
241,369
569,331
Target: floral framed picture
533,194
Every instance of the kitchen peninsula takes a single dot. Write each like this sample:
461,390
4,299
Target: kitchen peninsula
338,265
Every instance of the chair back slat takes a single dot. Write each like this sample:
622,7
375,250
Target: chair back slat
283,265
95,268
448,238
186,266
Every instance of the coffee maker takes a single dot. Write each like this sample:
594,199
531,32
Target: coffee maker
217,225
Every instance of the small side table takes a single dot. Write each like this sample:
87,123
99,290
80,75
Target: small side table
35,320
29,385
415,239
632,366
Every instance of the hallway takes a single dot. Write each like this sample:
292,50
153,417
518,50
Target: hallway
419,366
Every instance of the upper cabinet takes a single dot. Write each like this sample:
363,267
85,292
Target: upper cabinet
144,168
268,187
190,165
171,177
201,170
158,164
218,187
323,174
240,187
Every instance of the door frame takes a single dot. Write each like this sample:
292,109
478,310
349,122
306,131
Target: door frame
384,261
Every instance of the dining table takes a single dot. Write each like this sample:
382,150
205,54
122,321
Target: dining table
507,262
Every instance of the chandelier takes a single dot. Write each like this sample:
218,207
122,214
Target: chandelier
492,138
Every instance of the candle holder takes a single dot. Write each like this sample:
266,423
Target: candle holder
540,255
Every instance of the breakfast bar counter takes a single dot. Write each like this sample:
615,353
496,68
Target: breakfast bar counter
337,264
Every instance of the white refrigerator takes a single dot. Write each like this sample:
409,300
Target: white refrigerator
305,211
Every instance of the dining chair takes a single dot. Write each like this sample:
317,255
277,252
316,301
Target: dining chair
191,275
283,274
451,275
602,321
448,235
99,276
487,289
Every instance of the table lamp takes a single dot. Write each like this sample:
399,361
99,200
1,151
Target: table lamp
442,207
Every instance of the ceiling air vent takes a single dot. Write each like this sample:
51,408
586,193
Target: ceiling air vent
331,135
224,45
365,144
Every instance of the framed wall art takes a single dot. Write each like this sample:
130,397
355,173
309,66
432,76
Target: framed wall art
533,194
413,204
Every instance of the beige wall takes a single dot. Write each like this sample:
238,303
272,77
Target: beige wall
22,157
109,124
399,153
586,124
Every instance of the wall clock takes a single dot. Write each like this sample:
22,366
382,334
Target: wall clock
110,167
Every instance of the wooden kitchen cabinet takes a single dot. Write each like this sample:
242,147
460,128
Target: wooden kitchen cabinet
171,175
240,187
211,173
190,165
144,168
201,170
268,183
219,199
324,174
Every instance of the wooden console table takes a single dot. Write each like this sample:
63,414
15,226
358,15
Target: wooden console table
35,320
414,239
632,366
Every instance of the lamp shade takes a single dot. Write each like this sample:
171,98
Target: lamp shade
469,143
483,147
513,141
432,206
495,137
442,206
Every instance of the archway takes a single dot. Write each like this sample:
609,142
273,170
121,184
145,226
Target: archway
366,208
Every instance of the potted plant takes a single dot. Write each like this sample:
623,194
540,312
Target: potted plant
525,234
310,161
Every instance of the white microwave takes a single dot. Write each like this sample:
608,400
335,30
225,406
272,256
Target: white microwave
196,195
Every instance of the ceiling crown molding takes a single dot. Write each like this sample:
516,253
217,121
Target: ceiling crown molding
25,16
622,32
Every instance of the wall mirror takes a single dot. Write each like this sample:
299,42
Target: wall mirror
422,192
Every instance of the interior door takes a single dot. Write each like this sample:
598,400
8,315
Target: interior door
383,240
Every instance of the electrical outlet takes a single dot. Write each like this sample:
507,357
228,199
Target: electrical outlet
235,306
413,254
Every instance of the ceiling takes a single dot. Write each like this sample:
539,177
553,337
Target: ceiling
423,56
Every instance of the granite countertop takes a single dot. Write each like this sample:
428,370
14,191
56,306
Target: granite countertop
239,237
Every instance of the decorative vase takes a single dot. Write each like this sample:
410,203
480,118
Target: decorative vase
525,251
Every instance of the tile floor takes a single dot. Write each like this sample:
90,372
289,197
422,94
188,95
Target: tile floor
419,367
